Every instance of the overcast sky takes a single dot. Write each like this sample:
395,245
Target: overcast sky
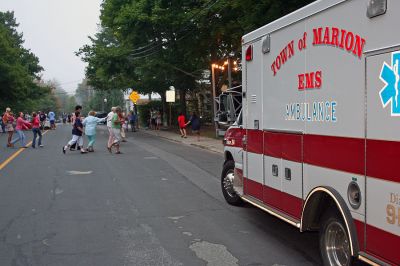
54,30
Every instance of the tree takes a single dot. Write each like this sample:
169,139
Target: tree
19,71
152,44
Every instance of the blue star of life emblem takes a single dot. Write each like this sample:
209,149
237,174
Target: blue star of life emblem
390,75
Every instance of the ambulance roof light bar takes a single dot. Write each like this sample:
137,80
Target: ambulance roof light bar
376,8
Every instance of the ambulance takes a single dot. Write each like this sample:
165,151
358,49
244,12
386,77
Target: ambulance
317,143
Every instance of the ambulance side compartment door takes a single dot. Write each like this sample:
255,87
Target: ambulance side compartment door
382,155
253,157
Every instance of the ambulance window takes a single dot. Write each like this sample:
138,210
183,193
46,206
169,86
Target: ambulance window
239,120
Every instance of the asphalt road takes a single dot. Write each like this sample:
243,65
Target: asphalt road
158,203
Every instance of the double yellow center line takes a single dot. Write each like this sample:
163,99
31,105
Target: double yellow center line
15,154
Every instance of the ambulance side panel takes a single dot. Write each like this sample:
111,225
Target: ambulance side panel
334,134
253,166
283,137
382,157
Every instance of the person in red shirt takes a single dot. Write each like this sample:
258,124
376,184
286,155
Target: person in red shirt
182,124
36,130
21,126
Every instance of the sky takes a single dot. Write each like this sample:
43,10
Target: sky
54,30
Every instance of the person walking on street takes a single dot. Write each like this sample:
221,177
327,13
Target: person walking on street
77,132
78,108
122,118
21,126
3,125
109,127
195,123
42,117
182,124
158,120
116,124
52,118
132,121
8,120
36,130
90,124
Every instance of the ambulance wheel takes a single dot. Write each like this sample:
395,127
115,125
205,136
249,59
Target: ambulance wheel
334,240
227,177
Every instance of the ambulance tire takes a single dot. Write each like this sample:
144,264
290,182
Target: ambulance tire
334,240
230,196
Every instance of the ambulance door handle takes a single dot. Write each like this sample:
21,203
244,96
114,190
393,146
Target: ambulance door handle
275,170
288,174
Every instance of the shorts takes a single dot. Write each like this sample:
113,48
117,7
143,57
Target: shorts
184,127
117,135
9,128
52,122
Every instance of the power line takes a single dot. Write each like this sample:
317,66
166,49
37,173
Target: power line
133,56
195,15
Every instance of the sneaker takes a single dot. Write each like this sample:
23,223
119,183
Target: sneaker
82,151
63,149
41,146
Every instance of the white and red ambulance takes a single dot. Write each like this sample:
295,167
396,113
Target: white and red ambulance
318,141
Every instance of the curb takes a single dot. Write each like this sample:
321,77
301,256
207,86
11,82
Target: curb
189,144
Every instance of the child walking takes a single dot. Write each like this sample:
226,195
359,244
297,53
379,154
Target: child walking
77,132
90,124
182,124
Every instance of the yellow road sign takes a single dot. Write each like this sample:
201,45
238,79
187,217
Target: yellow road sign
134,96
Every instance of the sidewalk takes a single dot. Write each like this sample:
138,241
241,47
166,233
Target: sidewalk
210,144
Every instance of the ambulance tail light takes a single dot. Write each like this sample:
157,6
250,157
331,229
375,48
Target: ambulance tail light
376,8
249,53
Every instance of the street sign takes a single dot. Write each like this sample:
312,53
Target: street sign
134,96
170,95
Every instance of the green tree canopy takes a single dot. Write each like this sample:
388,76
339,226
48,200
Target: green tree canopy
19,71
152,44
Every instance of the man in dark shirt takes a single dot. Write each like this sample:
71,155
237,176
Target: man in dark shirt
77,132
78,108
42,118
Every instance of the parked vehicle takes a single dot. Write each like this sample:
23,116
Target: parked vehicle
101,115
319,143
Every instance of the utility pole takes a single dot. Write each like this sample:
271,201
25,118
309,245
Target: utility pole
214,98
229,72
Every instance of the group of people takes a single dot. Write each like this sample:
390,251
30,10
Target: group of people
194,121
115,119
19,124
155,119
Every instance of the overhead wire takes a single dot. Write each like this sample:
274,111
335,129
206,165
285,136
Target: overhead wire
194,16
156,49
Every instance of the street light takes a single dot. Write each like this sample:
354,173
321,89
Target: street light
104,103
